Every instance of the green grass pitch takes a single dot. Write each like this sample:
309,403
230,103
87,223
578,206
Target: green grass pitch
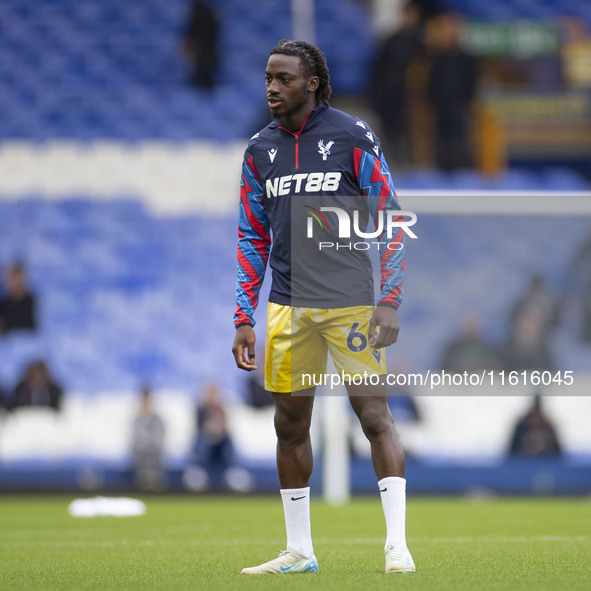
201,543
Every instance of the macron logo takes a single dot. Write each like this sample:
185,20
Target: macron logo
272,153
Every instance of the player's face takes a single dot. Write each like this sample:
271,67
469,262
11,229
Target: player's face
290,94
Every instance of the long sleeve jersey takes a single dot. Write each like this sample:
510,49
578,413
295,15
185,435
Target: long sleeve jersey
305,202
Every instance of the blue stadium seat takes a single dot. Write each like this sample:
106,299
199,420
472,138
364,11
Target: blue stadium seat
97,49
125,296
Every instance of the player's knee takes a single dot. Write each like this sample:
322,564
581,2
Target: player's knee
291,429
375,422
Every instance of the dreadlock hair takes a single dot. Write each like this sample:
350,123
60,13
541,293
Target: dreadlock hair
313,63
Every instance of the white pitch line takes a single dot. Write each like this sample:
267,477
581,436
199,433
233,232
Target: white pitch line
128,543
462,539
277,542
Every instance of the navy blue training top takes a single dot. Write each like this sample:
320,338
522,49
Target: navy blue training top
314,191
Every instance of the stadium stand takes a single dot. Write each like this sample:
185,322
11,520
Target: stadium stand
516,9
131,246
128,297
92,263
89,70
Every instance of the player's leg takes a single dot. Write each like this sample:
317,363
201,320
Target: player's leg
346,332
293,415
371,407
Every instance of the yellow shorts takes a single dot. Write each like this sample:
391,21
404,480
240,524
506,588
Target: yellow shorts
298,340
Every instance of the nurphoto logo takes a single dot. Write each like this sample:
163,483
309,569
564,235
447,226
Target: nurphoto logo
388,222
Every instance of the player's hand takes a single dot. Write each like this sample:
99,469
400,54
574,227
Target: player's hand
243,348
384,321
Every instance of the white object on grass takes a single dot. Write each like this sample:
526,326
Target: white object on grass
105,506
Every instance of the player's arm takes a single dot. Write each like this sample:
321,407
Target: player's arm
375,182
254,242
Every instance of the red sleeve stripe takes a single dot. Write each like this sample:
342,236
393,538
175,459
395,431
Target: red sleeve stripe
388,252
260,245
254,170
245,264
392,297
241,316
253,220
378,177
357,153
248,286
262,248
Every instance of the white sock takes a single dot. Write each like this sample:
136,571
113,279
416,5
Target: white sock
393,493
296,507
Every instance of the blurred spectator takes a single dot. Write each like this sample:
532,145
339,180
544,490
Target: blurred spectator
580,270
451,90
578,286
37,388
17,306
586,330
526,348
147,446
214,447
4,403
256,395
214,452
538,296
576,52
428,8
534,434
201,43
389,92
469,351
